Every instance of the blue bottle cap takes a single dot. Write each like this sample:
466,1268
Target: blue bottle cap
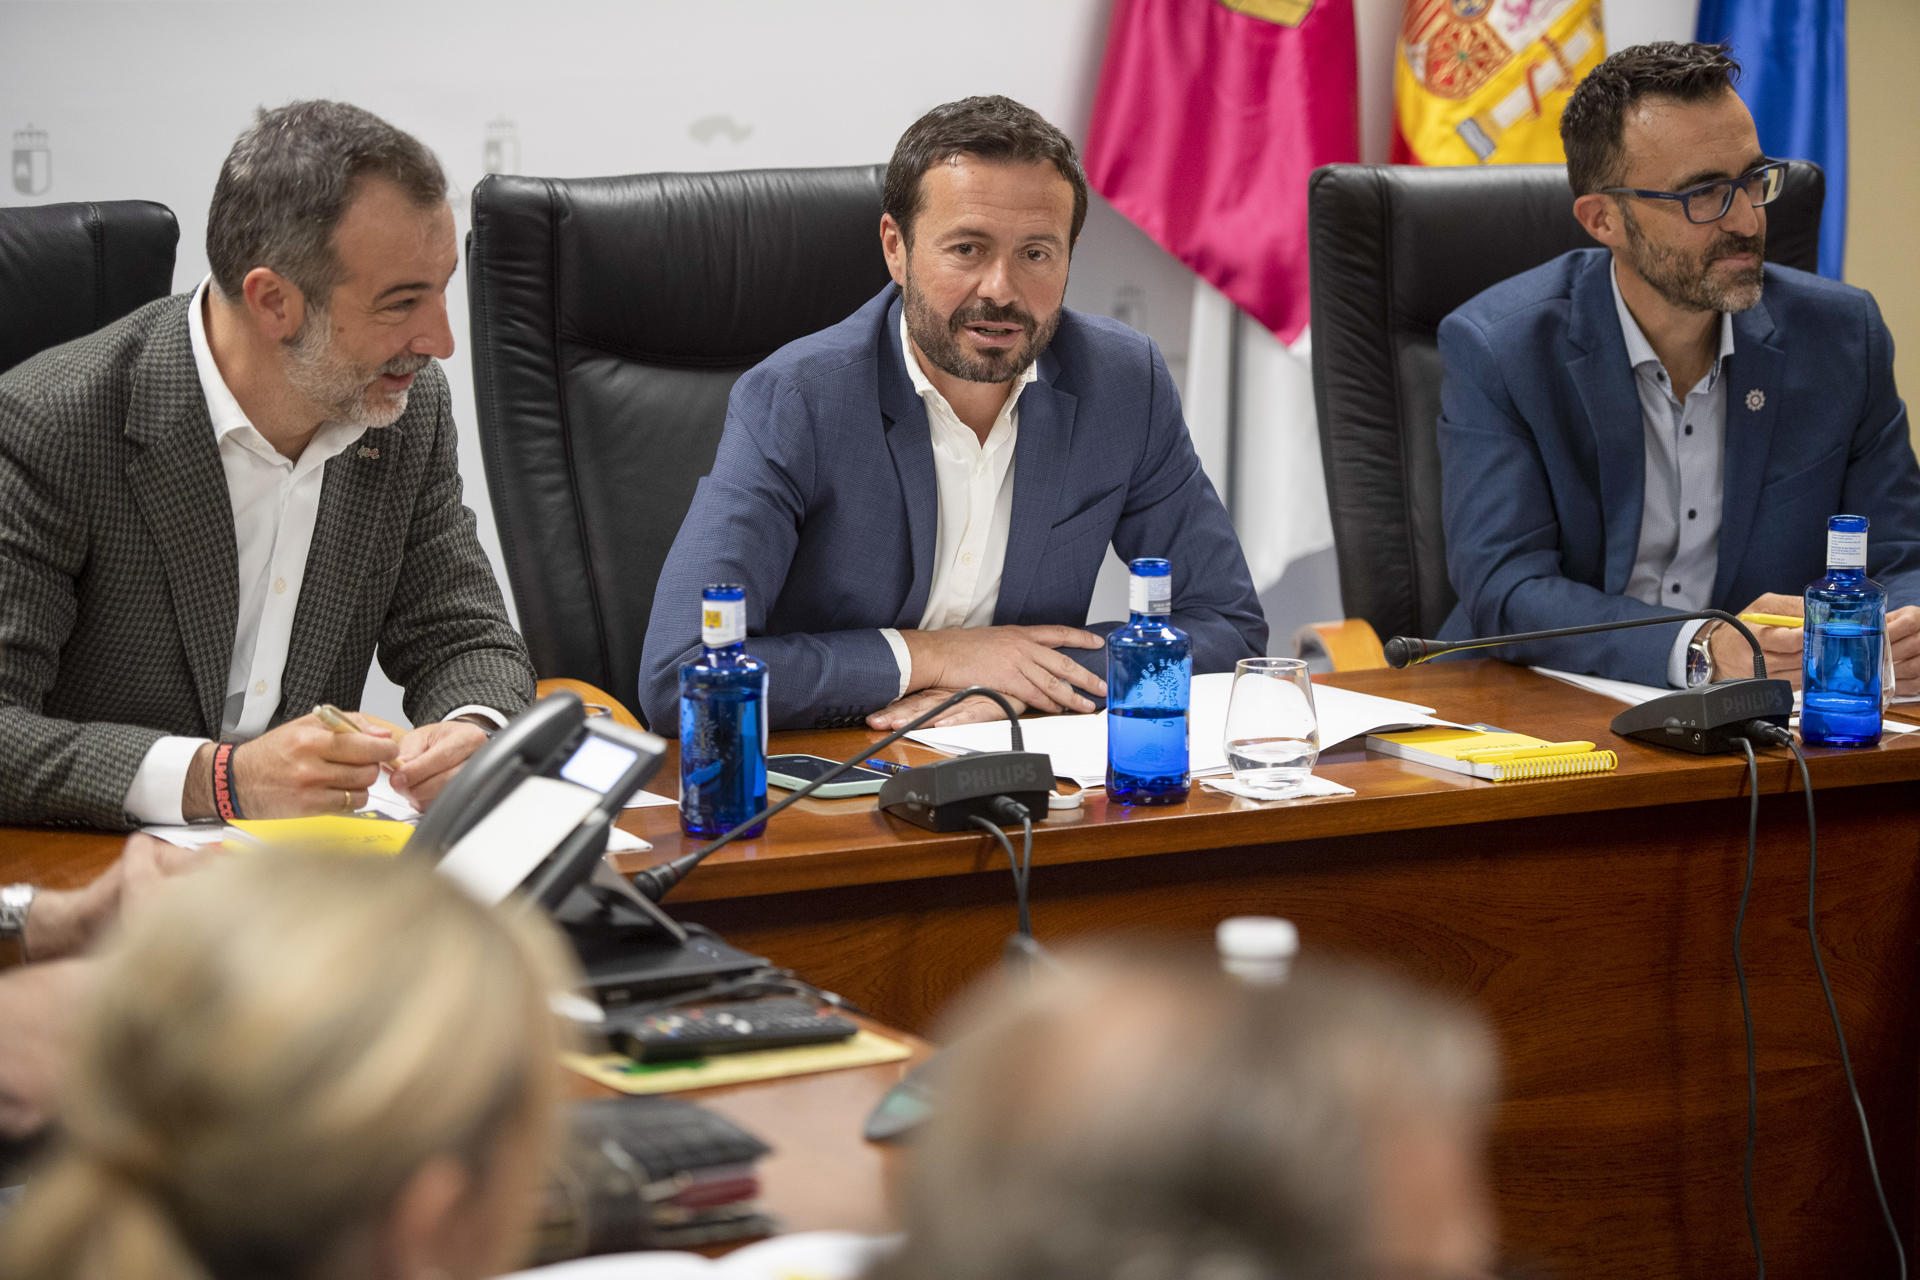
1150,567
724,591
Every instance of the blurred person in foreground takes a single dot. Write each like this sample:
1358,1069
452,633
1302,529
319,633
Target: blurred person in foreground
303,1067
1144,1117
55,930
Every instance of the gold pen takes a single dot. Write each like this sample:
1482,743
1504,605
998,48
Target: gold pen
336,720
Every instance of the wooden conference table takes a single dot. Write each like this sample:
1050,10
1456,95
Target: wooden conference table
1591,918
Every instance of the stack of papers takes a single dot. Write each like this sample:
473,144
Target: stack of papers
1635,694
1078,744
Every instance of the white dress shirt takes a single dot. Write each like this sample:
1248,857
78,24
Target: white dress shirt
1686,447
974,482
276,501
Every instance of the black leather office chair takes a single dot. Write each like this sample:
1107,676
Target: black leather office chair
1393,249
68,269
611,317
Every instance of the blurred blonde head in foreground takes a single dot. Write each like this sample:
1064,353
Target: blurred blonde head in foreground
1140,1116
299,1066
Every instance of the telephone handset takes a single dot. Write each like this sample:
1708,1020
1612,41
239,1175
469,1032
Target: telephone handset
585,768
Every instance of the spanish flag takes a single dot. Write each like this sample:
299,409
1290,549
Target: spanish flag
1484,81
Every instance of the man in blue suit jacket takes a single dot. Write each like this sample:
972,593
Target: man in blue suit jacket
1636,430
919,498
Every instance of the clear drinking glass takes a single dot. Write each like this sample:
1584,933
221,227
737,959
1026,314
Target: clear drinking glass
1273,733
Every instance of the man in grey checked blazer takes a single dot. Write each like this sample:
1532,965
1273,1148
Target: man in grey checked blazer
126,622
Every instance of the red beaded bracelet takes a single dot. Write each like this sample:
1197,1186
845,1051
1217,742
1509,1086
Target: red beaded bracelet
226,800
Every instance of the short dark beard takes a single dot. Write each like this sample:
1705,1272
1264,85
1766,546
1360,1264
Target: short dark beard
938,337
1686,281
325,377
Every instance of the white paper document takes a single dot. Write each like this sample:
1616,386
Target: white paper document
1078,744
1635,694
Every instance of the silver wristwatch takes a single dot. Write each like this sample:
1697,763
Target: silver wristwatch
15,901
1700,655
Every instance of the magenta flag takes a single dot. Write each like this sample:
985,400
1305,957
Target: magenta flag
1209,117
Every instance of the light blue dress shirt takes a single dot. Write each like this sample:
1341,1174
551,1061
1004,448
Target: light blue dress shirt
1679,549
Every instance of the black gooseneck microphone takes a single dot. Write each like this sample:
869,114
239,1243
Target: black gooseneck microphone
1708,719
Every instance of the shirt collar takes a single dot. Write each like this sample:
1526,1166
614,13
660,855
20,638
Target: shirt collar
229,419
924,385
1640,351
222,408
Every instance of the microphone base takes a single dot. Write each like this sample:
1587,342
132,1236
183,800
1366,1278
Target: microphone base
1707,720
945,795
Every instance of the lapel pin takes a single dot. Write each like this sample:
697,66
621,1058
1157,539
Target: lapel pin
366,452
1756,400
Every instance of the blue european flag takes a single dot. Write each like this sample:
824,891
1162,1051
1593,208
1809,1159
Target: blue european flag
1793,59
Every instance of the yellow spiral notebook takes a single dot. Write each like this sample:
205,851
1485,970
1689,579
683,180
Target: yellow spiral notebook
1492,754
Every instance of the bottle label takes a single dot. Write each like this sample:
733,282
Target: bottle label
722,622
1150,595
1846,550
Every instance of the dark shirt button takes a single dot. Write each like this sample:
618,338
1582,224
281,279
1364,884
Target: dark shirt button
1676,588
1689,429
1692,514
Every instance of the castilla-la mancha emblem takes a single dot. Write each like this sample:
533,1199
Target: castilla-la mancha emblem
32,162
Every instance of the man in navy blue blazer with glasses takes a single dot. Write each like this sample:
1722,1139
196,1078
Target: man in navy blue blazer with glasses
919,498
1665,424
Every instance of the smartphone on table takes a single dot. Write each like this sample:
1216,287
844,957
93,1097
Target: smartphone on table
794,772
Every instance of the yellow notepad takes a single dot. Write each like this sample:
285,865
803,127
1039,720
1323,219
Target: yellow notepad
333,832
1495,756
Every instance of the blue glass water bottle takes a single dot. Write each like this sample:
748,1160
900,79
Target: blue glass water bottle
1846,631
723,722
1149,679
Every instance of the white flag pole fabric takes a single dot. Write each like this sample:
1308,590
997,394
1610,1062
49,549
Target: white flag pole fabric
1267,465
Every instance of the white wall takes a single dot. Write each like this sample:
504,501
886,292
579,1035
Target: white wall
143,100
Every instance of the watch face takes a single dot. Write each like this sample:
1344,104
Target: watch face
1699,666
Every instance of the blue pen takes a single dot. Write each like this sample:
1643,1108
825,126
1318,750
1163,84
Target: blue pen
887,766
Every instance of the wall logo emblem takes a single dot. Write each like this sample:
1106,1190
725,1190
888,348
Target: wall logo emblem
707,128
32,162
501,154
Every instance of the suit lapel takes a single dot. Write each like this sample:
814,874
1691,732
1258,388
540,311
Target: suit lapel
910,440
178,484
1604,379
1039,471
1752,378
352,505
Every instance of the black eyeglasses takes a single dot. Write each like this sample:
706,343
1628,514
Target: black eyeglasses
1710,201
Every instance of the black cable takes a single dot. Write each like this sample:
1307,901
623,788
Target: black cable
1833,1009
1026,855
656,882
1746,1006
1019,872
